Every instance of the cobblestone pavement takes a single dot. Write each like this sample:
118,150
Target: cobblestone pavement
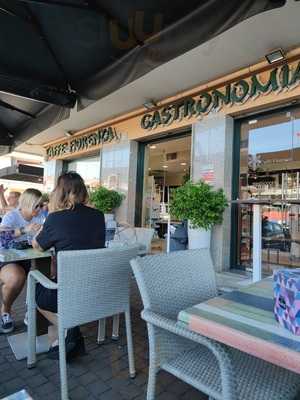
101,374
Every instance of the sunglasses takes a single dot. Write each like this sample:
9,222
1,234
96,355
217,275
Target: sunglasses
38,206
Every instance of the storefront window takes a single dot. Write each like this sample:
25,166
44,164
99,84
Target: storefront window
270,170
88,168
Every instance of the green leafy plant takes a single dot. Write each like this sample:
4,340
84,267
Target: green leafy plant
106,200
45,197
198,203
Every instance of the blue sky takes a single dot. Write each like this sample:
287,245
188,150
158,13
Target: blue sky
273,138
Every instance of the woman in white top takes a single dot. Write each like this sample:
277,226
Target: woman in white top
24,220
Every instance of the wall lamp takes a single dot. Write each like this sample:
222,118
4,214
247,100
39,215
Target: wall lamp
275,56
149,104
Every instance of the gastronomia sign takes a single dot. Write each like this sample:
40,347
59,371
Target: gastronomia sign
83,143
285,77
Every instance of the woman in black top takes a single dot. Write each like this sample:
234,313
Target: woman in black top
71,225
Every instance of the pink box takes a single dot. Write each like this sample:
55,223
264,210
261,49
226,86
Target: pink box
287,299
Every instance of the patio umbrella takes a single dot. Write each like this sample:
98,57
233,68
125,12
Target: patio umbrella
59,53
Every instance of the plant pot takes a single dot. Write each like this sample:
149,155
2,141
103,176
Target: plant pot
109,217
199,238
110,222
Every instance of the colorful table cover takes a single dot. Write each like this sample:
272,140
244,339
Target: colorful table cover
22,395
244,319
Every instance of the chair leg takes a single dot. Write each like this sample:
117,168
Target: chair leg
62,364
101,330
132,371
152,364
31,328
151,383
116,323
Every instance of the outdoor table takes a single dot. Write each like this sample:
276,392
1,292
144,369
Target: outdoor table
257,229
42,262
244,320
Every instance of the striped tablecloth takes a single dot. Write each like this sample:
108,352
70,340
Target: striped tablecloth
244,319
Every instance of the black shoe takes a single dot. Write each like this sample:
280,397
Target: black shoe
74,347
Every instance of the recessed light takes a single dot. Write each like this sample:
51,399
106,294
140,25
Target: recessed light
152,147
275,56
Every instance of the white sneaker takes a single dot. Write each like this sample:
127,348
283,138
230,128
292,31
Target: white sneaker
26,319
7,324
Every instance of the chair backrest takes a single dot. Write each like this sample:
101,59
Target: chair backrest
142,236
145,236
127,235
93,284
171,282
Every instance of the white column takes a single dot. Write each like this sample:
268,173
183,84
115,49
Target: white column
212,160
257,238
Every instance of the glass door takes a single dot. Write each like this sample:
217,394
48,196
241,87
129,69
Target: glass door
166,167
270,169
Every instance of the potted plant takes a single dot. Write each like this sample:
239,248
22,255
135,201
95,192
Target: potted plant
106,201
202,207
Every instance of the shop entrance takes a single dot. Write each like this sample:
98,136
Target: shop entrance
166,167
269,160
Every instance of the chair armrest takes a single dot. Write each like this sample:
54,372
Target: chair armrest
179,329
37,276
220,351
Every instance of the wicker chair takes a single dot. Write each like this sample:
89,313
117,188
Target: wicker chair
92,285
172,282
139,236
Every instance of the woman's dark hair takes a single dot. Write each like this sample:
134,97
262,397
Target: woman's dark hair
70,190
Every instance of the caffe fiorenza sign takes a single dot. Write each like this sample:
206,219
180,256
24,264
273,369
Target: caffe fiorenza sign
278,79
79,144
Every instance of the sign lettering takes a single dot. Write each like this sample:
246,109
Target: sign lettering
233,93
83,143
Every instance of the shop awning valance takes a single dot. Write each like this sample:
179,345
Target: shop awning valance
57,54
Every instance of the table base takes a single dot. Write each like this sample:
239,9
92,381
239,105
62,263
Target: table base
18,344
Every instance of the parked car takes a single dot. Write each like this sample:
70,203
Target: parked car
275,236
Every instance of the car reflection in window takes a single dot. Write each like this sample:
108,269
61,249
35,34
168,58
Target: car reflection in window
275,236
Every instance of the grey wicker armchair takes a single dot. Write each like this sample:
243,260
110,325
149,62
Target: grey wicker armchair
171,282
92,285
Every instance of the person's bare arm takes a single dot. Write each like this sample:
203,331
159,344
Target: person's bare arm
36,246
3,201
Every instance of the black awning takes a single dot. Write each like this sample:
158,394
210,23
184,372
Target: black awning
23,172
57,52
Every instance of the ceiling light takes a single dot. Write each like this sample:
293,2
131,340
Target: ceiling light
165,166
149,104
153,147
183,164
275,56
